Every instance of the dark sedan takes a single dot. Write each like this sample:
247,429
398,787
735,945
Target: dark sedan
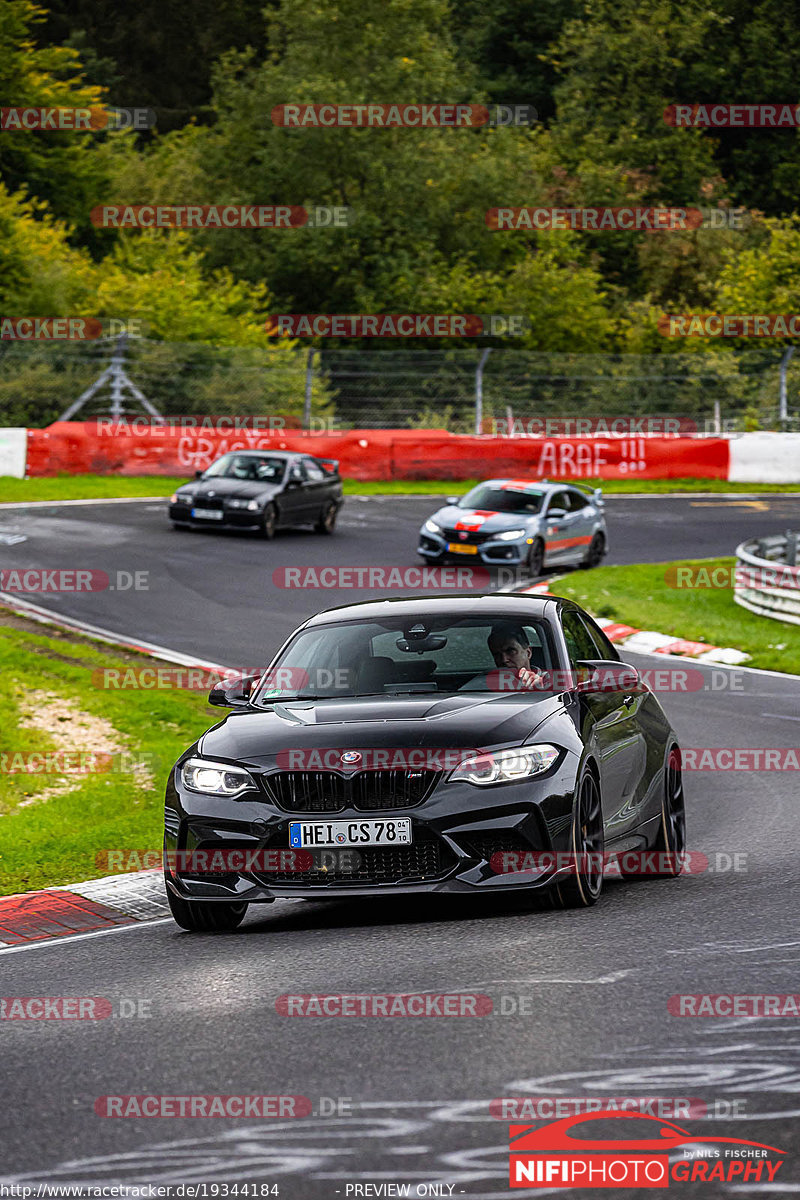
261,490
445,744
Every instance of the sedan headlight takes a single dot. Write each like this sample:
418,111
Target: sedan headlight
251,505
505,766
510,535
432,527
216,779
177,498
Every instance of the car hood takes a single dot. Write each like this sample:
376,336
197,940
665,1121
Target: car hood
481,520
227,489
477,721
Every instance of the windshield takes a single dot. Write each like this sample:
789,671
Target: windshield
397,657
266,468
506,497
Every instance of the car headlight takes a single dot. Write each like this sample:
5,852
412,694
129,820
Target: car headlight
177,498
218,779
432,527
251,505
510,535
505,766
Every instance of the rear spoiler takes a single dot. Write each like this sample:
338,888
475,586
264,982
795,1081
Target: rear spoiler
331,465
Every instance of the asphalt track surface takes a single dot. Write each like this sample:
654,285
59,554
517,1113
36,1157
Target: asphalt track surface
213,595
580,998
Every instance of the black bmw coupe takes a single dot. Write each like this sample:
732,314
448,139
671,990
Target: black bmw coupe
445,744
262,490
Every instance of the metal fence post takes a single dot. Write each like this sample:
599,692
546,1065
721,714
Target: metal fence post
479,391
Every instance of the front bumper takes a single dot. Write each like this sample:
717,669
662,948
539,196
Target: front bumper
454,834
231,518
490,553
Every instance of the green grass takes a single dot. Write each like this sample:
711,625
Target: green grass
640,596
47,841
108,487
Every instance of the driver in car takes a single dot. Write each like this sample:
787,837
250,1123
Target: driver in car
511,651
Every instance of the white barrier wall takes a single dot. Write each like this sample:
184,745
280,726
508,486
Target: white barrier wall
13,452
765,458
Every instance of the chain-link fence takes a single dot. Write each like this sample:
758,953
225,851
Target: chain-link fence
461,390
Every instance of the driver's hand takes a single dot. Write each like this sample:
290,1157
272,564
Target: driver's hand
530,680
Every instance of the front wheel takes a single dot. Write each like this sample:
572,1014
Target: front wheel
535,559
582,888
201,916
327,519
269,521
671,839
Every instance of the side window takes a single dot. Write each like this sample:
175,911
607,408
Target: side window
313,472
558,500
297,472
603,646
576,501
576,635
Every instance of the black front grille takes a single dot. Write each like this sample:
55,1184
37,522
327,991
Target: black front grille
373,790
471,539
202,502
308,791
427,858
368,791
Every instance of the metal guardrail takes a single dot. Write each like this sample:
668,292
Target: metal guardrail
768,576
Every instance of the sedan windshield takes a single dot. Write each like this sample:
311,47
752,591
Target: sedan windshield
265,468
505,499
396,657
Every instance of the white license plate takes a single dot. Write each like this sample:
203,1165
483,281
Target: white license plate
208,514
304,835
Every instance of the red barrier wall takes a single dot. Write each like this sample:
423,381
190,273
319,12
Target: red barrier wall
85,447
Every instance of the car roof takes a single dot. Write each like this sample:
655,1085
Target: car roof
274,453
542,485
514,605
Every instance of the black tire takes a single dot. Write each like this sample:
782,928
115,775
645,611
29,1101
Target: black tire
582,888
671,839
201,916
594,555
269,522
534,563
327,519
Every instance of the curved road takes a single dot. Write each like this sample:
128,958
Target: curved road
580,998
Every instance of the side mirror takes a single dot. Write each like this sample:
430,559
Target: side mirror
452,499
233,693
555,513
604,675
198,474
